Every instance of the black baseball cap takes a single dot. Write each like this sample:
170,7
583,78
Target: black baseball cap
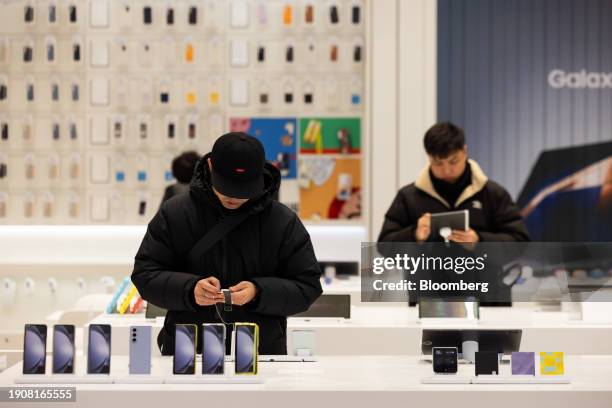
237,165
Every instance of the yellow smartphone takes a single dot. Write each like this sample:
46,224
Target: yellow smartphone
128,299
185,342
246,348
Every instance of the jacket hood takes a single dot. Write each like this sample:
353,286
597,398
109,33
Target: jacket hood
479,180
200,187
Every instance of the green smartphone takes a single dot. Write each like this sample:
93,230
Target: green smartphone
247,345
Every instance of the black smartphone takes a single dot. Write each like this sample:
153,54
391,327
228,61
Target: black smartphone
247,345
142,207
72,11
28,13
333,14
34,348
52,13
76,52
444,360
289,54
356,14
193,15
63,349
185,341
27,53
5,131
99,350
147,15
171,130
213,348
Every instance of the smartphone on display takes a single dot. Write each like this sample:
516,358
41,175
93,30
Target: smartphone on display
147,15
213,348
247,345
99,350
63,349
185,341
34,348
140,350
444,360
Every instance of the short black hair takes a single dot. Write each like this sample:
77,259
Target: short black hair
443,139
183,166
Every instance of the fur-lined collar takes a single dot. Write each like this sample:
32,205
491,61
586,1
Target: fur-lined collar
479,180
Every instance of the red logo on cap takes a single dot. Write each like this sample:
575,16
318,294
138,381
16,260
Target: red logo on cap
239,170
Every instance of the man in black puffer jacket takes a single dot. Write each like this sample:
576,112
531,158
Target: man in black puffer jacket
267,261
452,182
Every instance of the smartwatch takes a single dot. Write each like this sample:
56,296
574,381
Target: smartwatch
227,297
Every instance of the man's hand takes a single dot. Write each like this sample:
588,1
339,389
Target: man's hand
243,293
206,291
423,228
469,236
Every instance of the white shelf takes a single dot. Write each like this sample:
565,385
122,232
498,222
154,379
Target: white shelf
117,244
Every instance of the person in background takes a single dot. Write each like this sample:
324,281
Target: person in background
450,182
182,170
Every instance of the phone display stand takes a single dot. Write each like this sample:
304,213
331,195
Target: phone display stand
469,348
139,379
447,321
520,379
494,379
446,379
286,359
64,379
304,352
445,232
212,379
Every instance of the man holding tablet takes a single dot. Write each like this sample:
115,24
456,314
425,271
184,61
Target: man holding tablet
452,182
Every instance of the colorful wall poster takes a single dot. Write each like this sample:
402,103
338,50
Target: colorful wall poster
330,135
551,363
279,137
330,188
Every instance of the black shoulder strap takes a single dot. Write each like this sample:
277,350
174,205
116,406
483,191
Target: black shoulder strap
213,236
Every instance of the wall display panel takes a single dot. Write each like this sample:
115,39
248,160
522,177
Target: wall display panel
529,81
97,97
330,135
330,188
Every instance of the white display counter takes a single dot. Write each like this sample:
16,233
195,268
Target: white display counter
395,330
356,381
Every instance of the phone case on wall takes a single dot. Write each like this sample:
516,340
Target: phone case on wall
140,350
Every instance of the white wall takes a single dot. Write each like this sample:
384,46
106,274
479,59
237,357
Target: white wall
403,97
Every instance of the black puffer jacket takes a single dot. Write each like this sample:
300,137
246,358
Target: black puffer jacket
271,248
493,214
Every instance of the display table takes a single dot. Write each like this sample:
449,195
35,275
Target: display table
355,381
396,330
